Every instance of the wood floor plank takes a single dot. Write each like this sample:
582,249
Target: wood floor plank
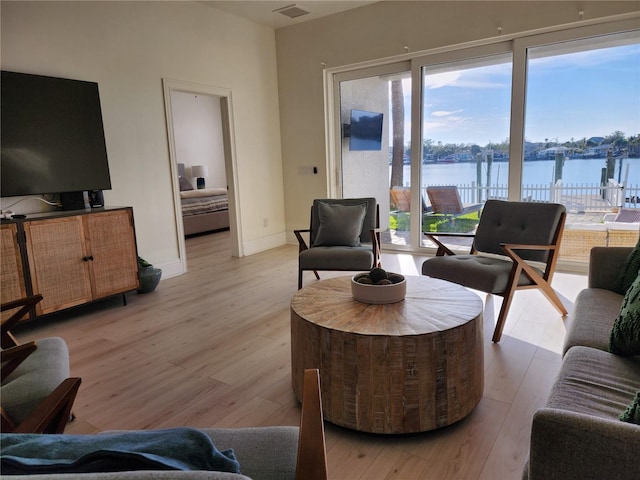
212,348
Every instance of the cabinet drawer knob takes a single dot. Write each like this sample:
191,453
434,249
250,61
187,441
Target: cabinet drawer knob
86,259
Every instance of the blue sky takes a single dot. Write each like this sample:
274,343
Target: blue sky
576,95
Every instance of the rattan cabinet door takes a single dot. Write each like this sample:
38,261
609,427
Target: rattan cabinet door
11,273
58,262
112,243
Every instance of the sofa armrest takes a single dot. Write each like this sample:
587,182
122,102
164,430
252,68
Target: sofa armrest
567,445
605,265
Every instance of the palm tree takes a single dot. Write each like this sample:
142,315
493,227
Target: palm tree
397,116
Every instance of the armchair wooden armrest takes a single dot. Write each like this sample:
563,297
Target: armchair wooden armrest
302,244
311,463
7,340
376,242
53,413
542,282
442,248
14,356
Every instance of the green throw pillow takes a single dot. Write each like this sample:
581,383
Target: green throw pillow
632,413
340,225
630,271
625,335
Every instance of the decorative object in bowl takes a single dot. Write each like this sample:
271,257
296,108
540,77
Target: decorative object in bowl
378,287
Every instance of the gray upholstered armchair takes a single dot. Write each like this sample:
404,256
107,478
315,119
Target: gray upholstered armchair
36,393
515,247
344,235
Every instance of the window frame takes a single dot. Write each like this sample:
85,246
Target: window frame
516,44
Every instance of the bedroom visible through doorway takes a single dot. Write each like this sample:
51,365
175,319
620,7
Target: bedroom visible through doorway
199,124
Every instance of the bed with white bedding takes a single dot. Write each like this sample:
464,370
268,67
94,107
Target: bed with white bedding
203,210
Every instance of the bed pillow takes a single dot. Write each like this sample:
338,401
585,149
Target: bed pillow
625,334
340,225
629,272
185,184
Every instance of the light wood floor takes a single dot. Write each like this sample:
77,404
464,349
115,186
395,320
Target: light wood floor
211,349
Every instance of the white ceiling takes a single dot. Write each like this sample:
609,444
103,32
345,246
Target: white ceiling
262,11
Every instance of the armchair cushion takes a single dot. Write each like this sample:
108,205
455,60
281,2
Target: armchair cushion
340,225
625,334
517,223
35,378
337,258
484,273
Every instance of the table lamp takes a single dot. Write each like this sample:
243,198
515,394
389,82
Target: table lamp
200,171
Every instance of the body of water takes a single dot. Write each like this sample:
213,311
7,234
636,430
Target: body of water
541,172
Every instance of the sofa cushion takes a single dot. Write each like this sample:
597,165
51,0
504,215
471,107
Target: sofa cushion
340,225
592,319
632,413
594,382
625,334
264,453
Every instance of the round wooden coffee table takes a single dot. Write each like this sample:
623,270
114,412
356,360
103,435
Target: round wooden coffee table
404,367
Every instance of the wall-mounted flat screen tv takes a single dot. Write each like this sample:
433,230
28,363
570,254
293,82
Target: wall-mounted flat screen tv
365,130
51,136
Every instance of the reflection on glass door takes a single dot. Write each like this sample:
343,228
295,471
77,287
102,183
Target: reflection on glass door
465,140
375,147
582,143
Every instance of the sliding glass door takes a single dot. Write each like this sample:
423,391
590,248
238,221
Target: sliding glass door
553,117
582,127
465,139
375,147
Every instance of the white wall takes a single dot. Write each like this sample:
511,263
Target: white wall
378,31
366,173
197,127
128,48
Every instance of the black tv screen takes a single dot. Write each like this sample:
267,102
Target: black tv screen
51,136
365,131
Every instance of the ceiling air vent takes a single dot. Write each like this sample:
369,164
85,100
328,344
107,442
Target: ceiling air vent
291,11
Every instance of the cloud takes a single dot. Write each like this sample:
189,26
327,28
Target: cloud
444,113
439,80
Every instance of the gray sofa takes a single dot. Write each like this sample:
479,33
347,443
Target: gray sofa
263,453
578,434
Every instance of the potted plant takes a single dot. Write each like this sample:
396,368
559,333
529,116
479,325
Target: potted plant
148,275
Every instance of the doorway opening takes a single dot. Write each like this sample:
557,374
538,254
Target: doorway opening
205,160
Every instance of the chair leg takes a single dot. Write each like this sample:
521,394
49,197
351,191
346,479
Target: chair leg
299,279
552,296
502,317
317,276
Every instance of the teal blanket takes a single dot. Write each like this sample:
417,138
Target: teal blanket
169,449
